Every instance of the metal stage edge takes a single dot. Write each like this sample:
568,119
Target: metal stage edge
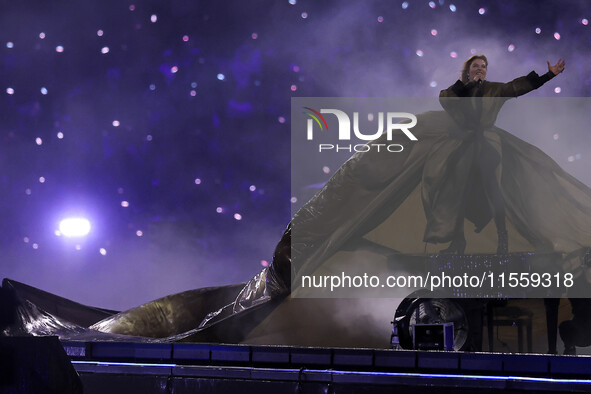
191,367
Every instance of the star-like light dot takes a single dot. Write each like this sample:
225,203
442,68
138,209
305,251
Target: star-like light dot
38,141
197,181
43,91
237,216
557,36
125,204
103,251
59,48
116,123
104,50
154,18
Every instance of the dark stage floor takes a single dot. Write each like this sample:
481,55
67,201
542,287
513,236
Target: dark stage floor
118,367
179,368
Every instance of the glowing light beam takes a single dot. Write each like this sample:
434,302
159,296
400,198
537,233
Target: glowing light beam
74,227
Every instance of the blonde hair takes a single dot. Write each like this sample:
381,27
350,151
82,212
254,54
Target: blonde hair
468,63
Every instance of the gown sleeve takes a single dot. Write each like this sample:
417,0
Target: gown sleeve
522,85
461,102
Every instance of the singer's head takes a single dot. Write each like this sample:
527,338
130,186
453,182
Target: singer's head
475,68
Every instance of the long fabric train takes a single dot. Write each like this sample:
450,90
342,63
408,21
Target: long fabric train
406,203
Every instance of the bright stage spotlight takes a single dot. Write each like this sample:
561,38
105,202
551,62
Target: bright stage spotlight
74,227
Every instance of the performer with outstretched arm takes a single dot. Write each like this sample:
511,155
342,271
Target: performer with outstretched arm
469,102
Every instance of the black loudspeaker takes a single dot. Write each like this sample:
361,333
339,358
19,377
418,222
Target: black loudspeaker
36,365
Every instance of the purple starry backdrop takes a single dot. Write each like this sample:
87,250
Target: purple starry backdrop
166,123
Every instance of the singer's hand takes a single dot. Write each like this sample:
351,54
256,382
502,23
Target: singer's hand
558,67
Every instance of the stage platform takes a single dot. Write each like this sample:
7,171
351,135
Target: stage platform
116,367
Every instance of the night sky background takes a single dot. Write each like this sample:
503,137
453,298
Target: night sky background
167,123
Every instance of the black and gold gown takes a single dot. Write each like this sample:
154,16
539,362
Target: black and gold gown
462,169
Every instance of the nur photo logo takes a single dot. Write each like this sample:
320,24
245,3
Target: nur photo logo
347,129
